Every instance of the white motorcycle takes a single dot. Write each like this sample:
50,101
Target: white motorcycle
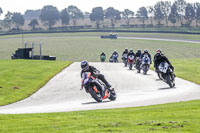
167,74
145,64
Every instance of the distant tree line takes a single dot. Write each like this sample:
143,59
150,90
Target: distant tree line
178,12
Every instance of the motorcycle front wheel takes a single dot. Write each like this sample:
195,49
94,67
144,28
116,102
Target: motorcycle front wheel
169,82
113,95
95,95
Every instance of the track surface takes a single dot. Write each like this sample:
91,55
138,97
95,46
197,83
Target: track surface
62,93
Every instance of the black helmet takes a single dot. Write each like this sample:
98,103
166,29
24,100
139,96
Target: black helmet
126,49
84,65
158,55
139,51
145,51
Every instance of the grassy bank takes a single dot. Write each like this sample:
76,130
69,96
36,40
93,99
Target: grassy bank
20,78
188,69
176,117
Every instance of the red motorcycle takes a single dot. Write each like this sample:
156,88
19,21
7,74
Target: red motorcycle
130,61
97,88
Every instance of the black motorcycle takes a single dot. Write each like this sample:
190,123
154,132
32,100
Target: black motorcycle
125,59
138,64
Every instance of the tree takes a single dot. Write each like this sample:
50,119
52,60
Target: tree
173,16
7,20
142,14
32,14
97,15
64,15
151,13
181,5
18,19
158,13
189,13
166,7
127,15
49,15
33,23
74,14
197,12
113,15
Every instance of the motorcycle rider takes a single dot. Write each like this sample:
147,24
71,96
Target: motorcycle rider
102,54
125,52
138,53
115,53
157,51
94,72
146,52
131,52
158,58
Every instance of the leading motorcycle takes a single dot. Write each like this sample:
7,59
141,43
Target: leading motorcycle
97,88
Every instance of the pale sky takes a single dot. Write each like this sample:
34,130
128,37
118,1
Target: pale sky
84,5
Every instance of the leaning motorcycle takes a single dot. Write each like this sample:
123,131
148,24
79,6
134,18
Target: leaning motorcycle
145,64
167,74
97,88
138,64
125,59
103,58
130,61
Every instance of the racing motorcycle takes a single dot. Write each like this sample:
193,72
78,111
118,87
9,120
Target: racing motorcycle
125,59
130,61
167,74
145,64
115,56
138,64
103,58
97,88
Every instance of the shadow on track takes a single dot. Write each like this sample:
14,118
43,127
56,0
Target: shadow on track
166,88
95,102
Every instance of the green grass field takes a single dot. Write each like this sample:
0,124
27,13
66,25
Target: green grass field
20,78
180,117
65,46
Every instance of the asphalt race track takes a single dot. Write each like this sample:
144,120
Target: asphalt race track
62,93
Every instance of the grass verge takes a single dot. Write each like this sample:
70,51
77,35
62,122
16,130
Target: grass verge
81,46
187,69
21,78
175,117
